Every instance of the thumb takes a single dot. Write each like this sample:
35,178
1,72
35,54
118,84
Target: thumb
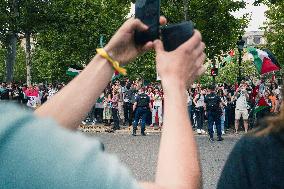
158,45
136,24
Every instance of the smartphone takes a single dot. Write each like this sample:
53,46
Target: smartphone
176,34
148,11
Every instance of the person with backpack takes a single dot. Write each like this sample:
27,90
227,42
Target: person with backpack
141,107
214,112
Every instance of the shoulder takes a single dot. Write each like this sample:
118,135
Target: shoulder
254,145
38,148
258,160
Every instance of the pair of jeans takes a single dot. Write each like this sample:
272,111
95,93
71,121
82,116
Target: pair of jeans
115,118
199,113
190,113
99,114
128,112
227,111
214,117
223,120
155,110
141,112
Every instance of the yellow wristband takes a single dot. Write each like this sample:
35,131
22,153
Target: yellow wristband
114,63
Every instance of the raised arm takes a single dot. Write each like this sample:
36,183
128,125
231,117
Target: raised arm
178,162
67,107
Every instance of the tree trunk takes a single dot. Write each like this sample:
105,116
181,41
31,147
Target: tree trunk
185,4
28,58
11,57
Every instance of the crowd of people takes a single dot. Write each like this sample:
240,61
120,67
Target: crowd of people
42,149
30,96
115,106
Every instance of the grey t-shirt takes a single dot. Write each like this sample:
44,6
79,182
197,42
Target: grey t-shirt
37,153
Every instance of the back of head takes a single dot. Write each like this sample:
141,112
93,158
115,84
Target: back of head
128,86
211,88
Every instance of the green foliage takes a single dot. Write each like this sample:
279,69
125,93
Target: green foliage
2,63
67,32
74,38
19,68
212,18
229,73
143,67
219,28
274,30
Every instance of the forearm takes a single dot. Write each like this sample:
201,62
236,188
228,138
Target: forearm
69,106
178,162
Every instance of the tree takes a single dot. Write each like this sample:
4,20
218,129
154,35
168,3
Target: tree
24,18
8,35
74,38
219,28
212,18
65,32
274,31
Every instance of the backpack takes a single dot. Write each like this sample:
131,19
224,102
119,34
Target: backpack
213,102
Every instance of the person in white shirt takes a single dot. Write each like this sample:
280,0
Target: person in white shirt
199,110
241,96
157,107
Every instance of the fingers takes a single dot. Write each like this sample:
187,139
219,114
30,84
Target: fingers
201,67
148,46
158,45
193,42
200,49
163,20
135,24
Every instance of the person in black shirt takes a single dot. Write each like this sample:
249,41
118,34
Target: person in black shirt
214,112
128,97
4,92
257,160
143,105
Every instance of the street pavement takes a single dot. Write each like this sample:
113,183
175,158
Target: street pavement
140,154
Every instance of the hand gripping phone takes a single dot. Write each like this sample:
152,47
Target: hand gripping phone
176,34
148,11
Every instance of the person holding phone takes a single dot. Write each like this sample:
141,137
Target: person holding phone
42,149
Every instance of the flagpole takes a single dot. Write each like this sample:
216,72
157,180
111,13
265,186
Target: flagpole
185,3
240,45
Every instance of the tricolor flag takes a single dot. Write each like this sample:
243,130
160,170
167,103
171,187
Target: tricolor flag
115,76
228,59
261,105
74,70
264,60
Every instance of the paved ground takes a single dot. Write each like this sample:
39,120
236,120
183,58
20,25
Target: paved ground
140,154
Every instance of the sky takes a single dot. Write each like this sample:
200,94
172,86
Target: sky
257,15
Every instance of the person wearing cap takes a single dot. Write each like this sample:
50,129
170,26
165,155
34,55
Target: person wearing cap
141,107
214,112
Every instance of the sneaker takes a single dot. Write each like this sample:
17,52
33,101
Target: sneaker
220,138
198,131
202,131
211,139
143,133
223,132
134,132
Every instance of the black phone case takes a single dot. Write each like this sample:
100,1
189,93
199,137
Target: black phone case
176,34
148,11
